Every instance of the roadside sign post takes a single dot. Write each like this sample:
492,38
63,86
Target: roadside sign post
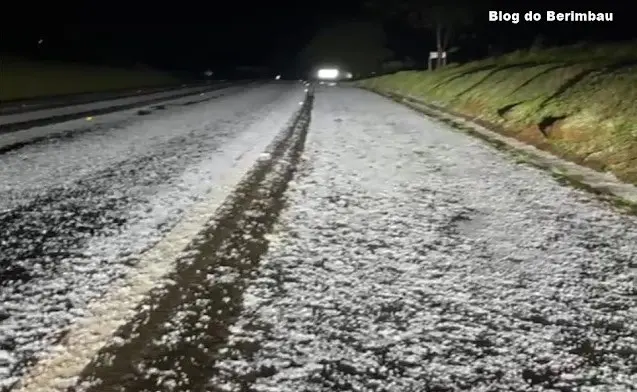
434,56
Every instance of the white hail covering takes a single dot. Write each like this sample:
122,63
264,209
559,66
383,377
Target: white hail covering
155,172
413,258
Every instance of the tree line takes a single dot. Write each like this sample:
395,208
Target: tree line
446,26
361,45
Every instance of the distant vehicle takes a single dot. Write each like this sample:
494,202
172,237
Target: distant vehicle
328,73
330,76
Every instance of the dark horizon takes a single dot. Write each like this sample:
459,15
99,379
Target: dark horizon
272,36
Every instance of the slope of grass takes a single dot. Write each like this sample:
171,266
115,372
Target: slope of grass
579,102
21,78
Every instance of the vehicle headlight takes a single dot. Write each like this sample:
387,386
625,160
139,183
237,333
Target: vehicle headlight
328,73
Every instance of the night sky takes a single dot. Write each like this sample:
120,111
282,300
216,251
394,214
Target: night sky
177,35
194,36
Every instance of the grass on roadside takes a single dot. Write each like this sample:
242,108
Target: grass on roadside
576,101
21,78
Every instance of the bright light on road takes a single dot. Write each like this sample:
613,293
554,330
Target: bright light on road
328,73
278,77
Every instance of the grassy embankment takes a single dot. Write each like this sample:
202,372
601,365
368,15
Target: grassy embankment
578,102
21,78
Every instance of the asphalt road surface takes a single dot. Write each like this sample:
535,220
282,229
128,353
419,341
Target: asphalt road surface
273,239
16,120
30,104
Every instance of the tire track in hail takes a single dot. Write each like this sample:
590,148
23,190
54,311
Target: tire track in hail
173,341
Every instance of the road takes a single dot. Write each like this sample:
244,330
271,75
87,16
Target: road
30,104
13,119
368,249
